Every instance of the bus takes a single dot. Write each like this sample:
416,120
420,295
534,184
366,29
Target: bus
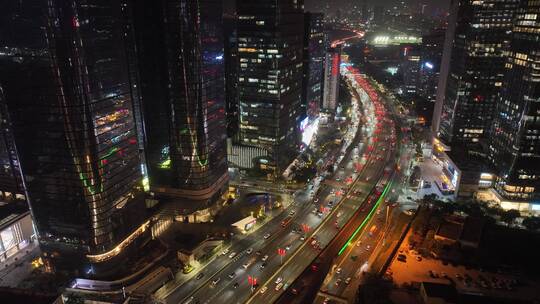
372,230
286,221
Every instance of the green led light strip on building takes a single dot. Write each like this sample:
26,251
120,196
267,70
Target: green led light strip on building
368,217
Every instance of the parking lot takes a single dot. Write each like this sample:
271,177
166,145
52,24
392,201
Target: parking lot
408,268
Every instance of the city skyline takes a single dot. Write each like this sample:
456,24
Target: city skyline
269,151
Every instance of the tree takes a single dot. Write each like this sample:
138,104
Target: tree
374,290
74,299
509,216
532,223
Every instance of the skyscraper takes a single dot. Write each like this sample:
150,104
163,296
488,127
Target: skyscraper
481,34
11,180
270,49
180,44
314,52
331,78
515,136
231,74
69,93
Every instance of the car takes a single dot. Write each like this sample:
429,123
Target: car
232,275
368,247
216,281
249,251
264,289
326,301
418,258
199,276
314,211
302,238
338,271
278,287
288,247
262,265
236,285
358,244
266,236
278,280
338,281
292,212
348,280
314,242
246,265
232,255
224,252
264,258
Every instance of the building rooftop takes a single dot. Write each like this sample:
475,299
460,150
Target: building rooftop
12,211
449,230
472,229
440,290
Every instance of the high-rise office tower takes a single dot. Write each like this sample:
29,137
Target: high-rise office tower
481,34
314,52
11,180
515,136
270,49
411,66
331,78
431,53
180,45
231,74
69,93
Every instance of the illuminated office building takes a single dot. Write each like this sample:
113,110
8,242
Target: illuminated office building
180,45
69,93
481,32
270,49
314,52
515,134
331,78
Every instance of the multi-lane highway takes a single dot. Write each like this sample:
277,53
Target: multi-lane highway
383,152
322,218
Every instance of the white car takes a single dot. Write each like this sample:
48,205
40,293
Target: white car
232,255
249,251
338,271
264,289
224,252
264,258
279,280
266,236
278,287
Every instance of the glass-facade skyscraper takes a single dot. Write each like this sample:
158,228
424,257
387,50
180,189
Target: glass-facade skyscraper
314,53
180,45
481,34
270,49
515,134
69,92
